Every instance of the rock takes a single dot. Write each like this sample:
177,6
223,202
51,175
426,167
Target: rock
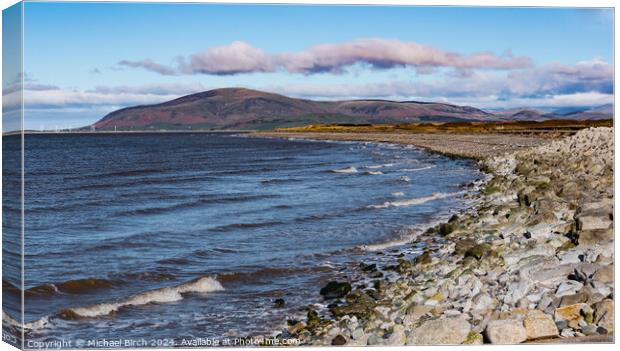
424,258
482,302
279,303
359,304
397,337
335,290
593,237
604,275
604,314
567,333
590,330
505,331
539,250
580,297
539,325
313,318
478,251
339,340
593,222
572,314
473,338
446,331
568,288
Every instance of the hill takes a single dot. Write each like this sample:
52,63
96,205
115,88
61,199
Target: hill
239,108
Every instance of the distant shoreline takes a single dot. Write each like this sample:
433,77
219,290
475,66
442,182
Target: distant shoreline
203,131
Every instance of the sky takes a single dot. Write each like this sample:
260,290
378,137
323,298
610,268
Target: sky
84,60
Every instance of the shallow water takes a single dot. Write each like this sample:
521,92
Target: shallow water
195,235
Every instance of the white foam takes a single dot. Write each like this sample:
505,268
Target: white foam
345,170
417,169
163,295
414,201
37,324
398,193
405,179
380,166
374,172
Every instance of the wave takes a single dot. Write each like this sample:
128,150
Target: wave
414,201
417,169
345,170
192,204
266,275
373,172
75,286
37,324
404,179
280,181
163,295
229,227
398,193
380,166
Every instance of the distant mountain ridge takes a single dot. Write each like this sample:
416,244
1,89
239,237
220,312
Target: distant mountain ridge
241,108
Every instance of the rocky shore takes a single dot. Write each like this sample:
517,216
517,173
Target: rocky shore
532,262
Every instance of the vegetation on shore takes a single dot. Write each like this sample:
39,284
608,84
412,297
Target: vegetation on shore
559,126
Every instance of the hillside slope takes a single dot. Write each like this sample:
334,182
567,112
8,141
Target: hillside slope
239,108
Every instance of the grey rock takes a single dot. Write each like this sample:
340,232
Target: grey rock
446,331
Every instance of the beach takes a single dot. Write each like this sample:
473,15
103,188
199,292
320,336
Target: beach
476,146
531,260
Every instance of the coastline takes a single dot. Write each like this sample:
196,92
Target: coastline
474,146
532,261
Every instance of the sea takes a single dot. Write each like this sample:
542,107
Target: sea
168,237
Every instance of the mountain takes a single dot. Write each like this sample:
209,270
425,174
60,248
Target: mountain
240,108
544,114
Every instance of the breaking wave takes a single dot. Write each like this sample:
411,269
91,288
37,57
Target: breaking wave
417,169
414,201
345,170
380,166
163,295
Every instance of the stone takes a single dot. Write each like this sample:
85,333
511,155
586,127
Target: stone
572,314
482,302
339,340
568,288
591,222
593,237
279,303
446,331
474,338
580,297
397,337
539,250
335,290
505,331
590,329
539,325
604,275
604,314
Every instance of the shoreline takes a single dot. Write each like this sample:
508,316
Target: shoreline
472,146
531,262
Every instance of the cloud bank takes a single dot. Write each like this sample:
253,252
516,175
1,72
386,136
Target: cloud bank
583,83
240,57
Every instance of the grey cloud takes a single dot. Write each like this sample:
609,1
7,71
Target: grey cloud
149,65
241,57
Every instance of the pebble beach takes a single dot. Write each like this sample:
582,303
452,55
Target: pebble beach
531,261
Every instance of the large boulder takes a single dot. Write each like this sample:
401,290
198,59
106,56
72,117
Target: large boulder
445,331
335,290
505,331
539,325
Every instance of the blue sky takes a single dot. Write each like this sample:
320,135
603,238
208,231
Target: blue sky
84,60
